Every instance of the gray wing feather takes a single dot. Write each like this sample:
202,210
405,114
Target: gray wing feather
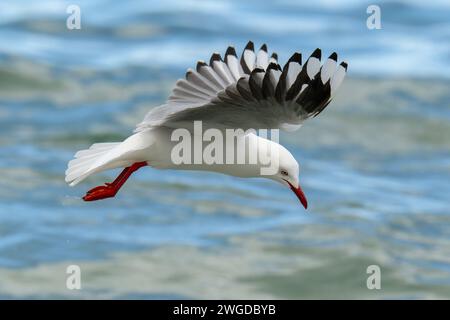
250,92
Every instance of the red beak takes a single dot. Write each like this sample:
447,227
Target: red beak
299,193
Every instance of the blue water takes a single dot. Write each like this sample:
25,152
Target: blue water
375,165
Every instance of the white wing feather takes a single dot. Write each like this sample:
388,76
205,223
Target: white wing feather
253,92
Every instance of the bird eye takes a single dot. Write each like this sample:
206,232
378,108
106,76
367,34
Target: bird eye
284,173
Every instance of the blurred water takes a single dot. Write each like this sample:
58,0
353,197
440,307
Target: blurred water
375,165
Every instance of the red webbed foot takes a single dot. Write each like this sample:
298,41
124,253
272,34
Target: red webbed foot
107,184
109,190
100,192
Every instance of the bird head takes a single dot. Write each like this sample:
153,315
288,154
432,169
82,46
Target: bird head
288,174
278,165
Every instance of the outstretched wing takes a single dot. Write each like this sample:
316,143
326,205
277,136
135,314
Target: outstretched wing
253,92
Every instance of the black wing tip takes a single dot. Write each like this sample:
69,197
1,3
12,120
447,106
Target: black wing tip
296,57
250,46
274,66
263,47
317,54
215,57
231,51
200,64
333,56
256,70
344,65
241,79
274,56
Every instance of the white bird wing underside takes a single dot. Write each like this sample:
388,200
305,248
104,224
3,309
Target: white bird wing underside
253,92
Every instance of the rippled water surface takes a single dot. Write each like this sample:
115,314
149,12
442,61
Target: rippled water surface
375,165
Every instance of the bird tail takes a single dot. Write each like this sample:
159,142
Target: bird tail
89,161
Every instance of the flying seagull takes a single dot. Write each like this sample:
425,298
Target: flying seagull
252,92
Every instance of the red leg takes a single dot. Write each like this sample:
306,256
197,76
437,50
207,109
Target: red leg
119,177
110,189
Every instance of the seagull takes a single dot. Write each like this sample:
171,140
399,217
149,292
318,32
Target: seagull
250,92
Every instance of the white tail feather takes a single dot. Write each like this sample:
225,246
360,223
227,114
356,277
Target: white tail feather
85,162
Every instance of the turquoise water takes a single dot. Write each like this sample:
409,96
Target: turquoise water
375,164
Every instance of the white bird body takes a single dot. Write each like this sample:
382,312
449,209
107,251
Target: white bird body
254,93
155,146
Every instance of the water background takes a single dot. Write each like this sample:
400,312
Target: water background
375,165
